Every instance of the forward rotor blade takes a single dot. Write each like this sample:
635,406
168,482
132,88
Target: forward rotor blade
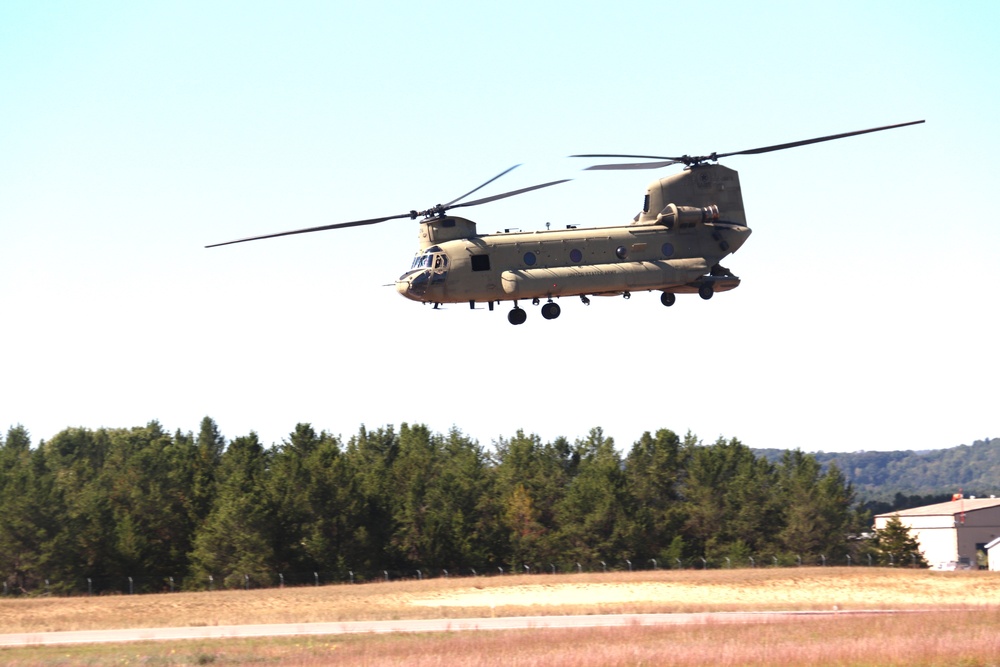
502,173
793,144
504,195
434,211
338,225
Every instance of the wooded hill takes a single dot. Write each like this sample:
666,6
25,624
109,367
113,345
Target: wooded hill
900,479
90,509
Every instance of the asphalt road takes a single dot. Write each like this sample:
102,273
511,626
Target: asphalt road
430,625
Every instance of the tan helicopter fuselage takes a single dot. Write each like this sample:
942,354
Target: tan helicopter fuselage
689,223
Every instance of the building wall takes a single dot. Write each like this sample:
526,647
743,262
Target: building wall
994,558
945,538
937,536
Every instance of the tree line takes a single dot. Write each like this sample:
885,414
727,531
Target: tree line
198,510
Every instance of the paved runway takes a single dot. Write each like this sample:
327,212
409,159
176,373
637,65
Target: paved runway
431,625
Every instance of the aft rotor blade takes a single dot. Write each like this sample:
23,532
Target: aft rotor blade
630,165
634,157
502,173
663,161
793,144
504,195
338,225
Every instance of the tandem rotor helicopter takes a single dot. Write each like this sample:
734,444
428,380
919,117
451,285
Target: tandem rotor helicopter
689,223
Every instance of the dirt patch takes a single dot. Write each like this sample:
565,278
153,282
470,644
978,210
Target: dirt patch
702,592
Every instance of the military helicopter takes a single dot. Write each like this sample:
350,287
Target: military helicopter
689,223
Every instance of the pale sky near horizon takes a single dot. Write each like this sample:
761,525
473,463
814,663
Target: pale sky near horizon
134,134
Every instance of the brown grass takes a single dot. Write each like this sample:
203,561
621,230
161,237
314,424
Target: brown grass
955,639
640,592
968,634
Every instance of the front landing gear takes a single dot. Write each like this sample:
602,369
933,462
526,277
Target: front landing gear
550,311
668,298
517,315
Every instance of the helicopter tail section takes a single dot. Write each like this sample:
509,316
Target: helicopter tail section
704,190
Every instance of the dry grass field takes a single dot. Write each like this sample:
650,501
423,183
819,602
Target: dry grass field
959,623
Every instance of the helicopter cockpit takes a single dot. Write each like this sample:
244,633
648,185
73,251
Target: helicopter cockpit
426,275
431,258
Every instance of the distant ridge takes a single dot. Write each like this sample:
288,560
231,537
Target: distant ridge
879,476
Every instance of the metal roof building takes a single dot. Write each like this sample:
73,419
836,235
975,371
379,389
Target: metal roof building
951,533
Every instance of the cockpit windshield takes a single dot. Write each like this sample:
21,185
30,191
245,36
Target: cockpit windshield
430,260
422,261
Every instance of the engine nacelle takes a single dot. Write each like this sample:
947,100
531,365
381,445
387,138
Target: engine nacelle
682,217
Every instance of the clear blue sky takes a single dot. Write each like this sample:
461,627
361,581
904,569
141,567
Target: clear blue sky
133,134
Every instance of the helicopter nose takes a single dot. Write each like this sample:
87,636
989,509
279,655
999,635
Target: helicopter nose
414,285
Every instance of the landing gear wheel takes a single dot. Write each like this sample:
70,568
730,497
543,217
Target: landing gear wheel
706,291
668,298
550,311
517,316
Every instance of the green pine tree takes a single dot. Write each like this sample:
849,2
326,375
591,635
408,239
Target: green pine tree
895,546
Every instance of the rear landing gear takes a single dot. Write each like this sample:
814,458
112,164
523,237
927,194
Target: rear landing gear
705,291
668,298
